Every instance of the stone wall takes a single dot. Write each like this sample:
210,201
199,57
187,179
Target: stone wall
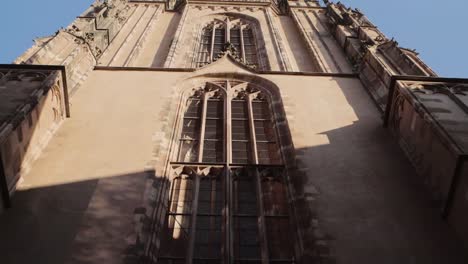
375,57
81,44
34,106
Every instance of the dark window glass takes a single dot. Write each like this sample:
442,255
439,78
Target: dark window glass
279,238
188,151
245,195
191,129
210,199
194,108
240,152
219,41
264,131
236,40
274,196
214,129
181,197
205,48
249,47
215,109
267,148
213,151
176,229
240,130
260,110
208,237
239,109
188,146
246,238
268,153
246,234
171,261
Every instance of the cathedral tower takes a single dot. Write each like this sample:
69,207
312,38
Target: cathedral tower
244,131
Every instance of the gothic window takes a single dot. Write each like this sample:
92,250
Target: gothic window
228,199
234,34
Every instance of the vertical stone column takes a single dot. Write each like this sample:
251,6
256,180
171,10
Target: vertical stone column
178,35
283,56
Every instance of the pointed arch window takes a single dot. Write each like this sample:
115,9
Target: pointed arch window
235,34
228,199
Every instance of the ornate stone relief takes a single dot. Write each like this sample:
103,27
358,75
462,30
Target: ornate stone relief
86,29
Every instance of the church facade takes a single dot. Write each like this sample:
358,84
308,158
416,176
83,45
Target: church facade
251,131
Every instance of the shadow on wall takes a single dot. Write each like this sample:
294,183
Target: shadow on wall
83,222
371,203
362,192
166,42
33,105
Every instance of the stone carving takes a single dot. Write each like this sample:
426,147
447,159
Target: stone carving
244,90
26,76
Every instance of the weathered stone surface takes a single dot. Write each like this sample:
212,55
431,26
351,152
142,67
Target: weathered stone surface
99,191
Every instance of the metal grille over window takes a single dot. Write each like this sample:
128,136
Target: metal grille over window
228,201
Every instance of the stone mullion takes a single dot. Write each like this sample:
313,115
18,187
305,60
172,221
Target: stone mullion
228,229
228,30
241,30
213,34
261,221
253,139
229,198
261,211
228,122
193,227
202,128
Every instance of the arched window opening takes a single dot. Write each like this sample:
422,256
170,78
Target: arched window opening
202,135
229,197
236,35
253,128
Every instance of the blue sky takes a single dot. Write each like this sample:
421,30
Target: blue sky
438,30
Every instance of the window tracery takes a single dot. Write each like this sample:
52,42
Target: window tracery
228,200
237,35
